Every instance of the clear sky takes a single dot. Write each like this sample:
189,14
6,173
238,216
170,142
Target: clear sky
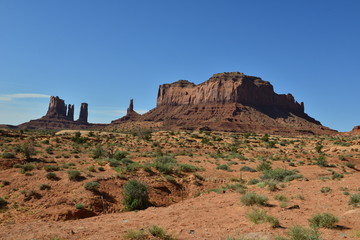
107,52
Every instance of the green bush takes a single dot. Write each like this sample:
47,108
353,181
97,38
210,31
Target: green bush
323,220
74,175
223,167
251,198
160,233
135,235
325,189
119,155
260,216
45,187
280,175
355,200
28,150
247,169
51,168
165,164
281,198
263,166
92,186
300,233
3,203
188,168
8,155
253,181
79,206
135,195
51,176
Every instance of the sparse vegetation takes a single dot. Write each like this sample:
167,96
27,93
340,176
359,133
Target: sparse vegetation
135,195
323,220
251,198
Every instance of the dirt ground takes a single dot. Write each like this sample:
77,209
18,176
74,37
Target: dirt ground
197,197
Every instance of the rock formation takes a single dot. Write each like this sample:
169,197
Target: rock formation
70,112
131,115
57,108
229,101
61,116
222,88
131,107
83,116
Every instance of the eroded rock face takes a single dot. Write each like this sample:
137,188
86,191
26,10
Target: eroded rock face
232,87
83,116
70,112
60,116
57,108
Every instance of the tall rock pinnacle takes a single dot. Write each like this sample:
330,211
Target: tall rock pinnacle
131,107
70,112
83,116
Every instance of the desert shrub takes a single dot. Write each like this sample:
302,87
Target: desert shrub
8,155
260,216
281,175
49,150
323,220
355,200
28,150
98,152
51,176
135,235
44,187
199,177
74,175
3,203
78,139
188,168
223,167
253,181
160,233
247,169
51,168
281,198
165,164
238,187
272,186
79,206
135,195
92,186
263,166
300,233
325,189
252,198
119,155
265,138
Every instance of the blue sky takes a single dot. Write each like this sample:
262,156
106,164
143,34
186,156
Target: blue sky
107,52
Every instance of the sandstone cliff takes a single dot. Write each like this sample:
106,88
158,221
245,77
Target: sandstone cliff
230,87
230,101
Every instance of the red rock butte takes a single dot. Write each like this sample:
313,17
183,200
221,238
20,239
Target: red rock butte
230,101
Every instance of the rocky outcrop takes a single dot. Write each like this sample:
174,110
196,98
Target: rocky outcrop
131,107
229,101
61,116
131,115
70,112
83,116
230,87
57,108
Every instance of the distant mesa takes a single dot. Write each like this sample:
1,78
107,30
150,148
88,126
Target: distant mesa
230,101
60,116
